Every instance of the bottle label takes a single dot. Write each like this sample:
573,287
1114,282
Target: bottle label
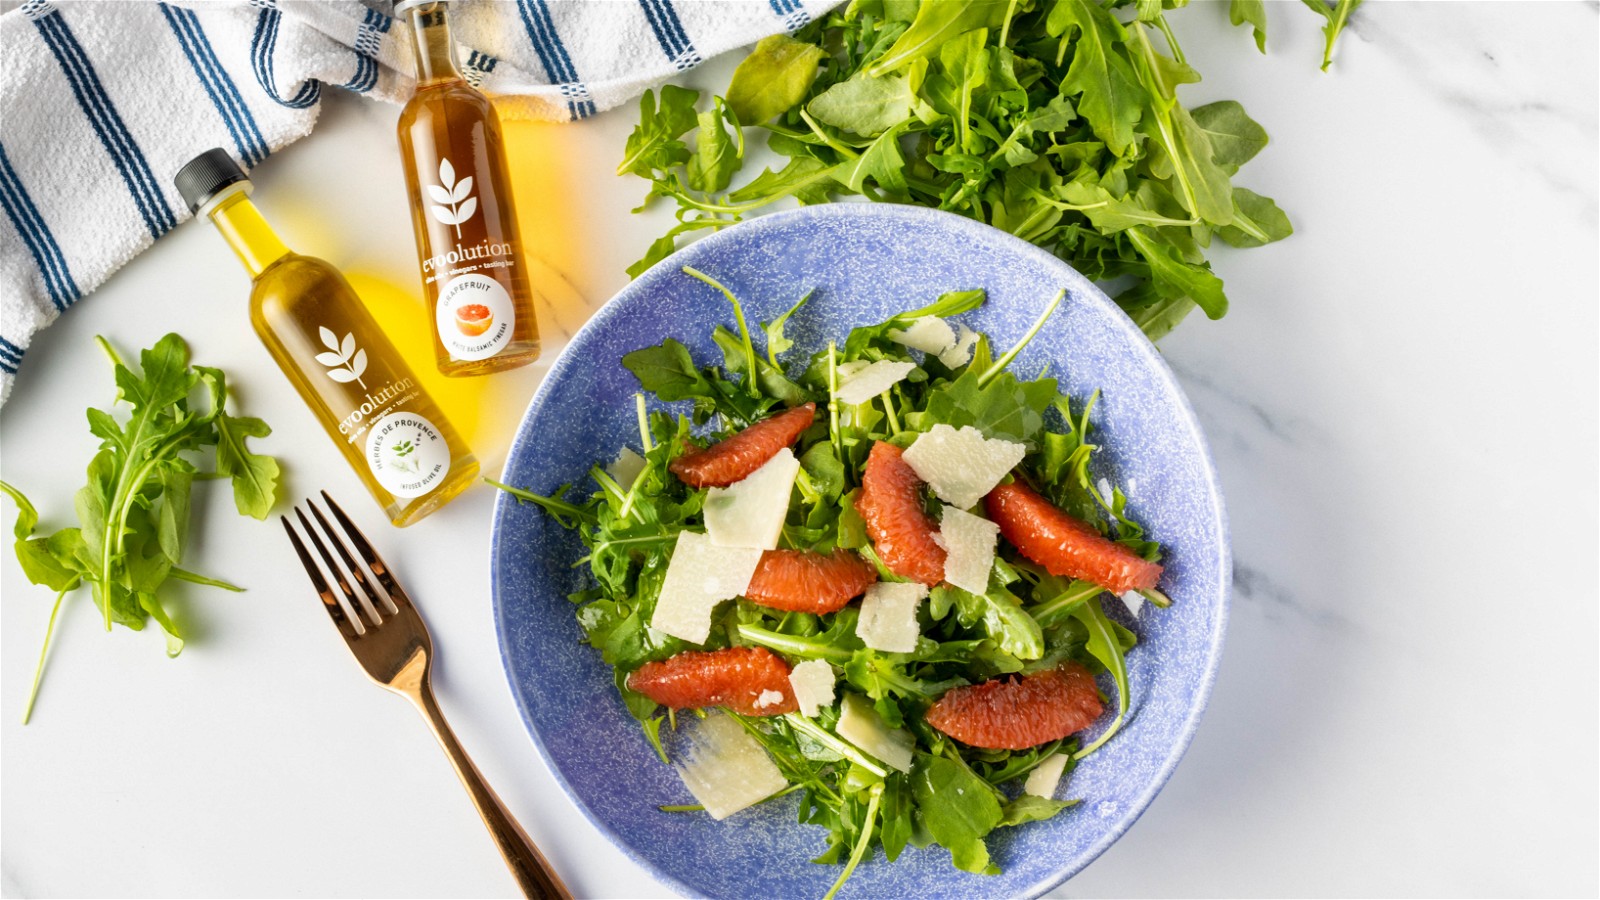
407,454
475,317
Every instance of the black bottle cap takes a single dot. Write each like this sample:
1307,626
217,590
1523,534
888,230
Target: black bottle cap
202,177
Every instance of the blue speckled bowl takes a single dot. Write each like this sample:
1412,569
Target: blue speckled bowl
865,262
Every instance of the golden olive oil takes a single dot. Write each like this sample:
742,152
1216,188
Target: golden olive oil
323,338
474,276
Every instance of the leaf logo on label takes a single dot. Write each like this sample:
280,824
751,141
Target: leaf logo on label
455,201
344,360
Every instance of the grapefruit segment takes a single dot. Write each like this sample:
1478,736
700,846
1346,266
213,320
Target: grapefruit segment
1015,714
902,534
731,460
809,582
752,681
1064,545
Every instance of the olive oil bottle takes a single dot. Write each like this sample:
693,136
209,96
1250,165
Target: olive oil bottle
322,337
474,277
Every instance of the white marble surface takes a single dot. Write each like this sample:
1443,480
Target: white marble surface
1402,405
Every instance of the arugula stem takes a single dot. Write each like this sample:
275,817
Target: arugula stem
1172,39
49,632
682,807
110,352
613,489
1116,725
837,745
862,843
828,139
644,422
1151,219
1049,611
1336,22
833,401
888,408
196,578
1156,597
622,542
794,646
744,329
1002,362
559,507
122,503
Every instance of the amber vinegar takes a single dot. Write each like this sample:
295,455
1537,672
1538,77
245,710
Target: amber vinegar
474,277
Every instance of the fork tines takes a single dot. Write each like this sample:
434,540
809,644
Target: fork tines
368,602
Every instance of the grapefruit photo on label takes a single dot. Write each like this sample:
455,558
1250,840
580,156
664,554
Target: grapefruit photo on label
473,319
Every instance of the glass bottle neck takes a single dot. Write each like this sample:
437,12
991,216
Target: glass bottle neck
251,238
435,51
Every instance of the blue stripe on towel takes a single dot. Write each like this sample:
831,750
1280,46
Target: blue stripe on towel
227,87
553,55
36,235
262,45
367,45
670,35
179,20
107,123
479,65
794,16
9,351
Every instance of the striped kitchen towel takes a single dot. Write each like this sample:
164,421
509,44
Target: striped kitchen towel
100,103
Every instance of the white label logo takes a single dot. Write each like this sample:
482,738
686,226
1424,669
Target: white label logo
456,203
407,454
344,360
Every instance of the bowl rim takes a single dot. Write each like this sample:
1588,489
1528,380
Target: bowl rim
1150,356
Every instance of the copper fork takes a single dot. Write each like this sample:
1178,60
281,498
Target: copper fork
392,644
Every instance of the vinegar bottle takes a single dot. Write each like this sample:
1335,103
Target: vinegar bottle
345,369
474,276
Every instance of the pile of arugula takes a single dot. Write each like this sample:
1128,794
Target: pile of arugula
1054,120
1027,620
133,515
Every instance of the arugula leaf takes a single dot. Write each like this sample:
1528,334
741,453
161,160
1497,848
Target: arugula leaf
1176,277
1109,93
1028,808
1235,137
717,154
936,23
1001,616
255,477
1105,645
1253,12
1256,221
133,512
957,808
1003,408
668,371
864,104
656,141
774,77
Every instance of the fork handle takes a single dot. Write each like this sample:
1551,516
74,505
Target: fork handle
533,872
